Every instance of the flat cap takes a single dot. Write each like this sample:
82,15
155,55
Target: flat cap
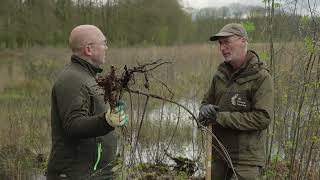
229,30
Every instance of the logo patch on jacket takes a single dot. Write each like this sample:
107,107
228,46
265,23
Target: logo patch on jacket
237,101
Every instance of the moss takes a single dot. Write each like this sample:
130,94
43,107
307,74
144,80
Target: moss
152,171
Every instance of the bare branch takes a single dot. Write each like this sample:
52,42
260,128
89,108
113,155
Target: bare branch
164,99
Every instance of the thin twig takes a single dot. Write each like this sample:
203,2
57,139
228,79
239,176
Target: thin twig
140,125
161,98
165,85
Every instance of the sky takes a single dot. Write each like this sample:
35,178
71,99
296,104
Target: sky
287,5
218,3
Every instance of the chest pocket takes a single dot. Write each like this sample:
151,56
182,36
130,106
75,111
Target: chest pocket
237,98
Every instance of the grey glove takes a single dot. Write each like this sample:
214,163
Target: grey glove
208,114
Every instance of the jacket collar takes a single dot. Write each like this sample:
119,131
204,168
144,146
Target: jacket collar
246,72
92,69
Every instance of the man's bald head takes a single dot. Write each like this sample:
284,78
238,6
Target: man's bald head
83,35
88,43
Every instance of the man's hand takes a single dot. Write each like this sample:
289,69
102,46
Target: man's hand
117,117
208,114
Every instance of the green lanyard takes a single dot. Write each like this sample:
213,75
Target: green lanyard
99,156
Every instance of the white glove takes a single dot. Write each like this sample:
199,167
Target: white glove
116,118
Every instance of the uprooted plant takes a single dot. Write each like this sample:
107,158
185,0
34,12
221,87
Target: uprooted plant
115,85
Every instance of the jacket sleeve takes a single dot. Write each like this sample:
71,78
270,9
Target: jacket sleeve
74,101
262,111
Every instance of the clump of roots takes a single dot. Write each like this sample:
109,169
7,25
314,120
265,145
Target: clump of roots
115,85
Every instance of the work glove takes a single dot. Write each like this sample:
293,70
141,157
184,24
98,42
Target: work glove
117,117
208,114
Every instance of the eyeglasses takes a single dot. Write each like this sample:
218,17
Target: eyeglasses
104,43
226,42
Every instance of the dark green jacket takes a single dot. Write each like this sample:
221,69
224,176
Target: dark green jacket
245,98
78,125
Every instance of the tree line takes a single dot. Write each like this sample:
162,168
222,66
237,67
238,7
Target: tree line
27,23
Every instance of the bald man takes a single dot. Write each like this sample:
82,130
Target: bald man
83,141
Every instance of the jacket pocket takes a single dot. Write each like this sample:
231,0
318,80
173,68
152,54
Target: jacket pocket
84,156
236,101
252,145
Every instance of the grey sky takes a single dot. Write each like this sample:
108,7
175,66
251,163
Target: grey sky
303,4
217,3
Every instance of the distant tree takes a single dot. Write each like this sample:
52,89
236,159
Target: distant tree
238,10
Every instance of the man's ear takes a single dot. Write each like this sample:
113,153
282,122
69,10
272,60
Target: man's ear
243,39
87,50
